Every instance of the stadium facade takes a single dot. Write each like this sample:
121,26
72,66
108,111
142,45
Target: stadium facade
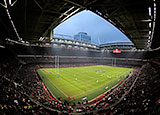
62,42
67,43
118,45
70,44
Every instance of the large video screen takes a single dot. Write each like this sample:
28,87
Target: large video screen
116,51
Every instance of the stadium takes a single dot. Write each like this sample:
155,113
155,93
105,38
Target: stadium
44,74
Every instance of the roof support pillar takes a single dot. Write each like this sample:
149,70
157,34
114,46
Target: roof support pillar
51,35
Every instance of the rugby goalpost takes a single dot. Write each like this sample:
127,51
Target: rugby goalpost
56,70
57,63
114,61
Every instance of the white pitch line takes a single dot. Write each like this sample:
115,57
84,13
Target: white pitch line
73,86
57,87
89,90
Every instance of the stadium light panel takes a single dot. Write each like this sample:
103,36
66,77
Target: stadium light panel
149,9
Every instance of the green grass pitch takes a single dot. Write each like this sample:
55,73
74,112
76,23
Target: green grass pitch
79,82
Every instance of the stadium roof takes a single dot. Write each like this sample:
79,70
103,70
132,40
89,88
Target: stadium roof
31,19
117,43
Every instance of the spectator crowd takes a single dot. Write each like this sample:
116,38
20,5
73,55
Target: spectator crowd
23,92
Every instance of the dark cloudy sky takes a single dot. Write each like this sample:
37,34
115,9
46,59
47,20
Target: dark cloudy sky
93,25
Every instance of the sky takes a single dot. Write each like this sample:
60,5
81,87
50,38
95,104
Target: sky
100,30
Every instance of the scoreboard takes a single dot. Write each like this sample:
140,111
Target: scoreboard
116,51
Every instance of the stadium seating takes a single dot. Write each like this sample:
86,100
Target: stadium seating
23,92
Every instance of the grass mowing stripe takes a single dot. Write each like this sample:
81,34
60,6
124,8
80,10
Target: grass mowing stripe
51,81
78,82
76,85
72,84
57,87
52,87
